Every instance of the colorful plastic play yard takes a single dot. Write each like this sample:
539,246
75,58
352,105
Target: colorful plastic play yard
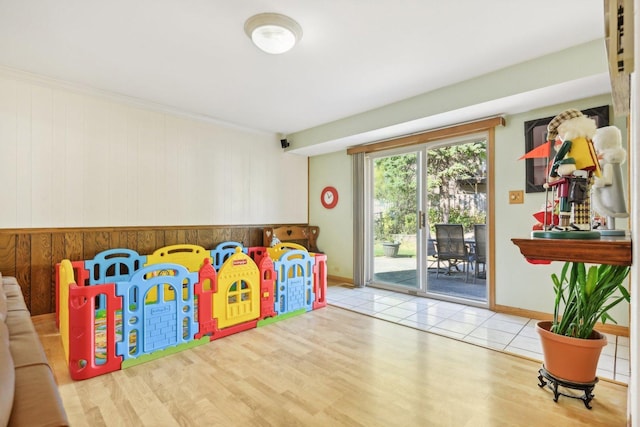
121,309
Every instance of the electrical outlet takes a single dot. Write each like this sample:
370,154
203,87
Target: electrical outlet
516,196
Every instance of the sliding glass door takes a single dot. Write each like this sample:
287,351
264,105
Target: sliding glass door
395,219
456,178
409,194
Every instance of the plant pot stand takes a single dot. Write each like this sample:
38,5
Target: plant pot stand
552,383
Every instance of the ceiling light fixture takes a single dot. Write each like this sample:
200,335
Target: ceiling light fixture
272,32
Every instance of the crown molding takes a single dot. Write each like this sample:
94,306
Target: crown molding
53,83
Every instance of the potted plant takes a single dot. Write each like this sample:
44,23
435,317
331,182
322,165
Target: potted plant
570,344
390,248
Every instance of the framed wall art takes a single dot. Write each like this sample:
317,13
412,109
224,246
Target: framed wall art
535,136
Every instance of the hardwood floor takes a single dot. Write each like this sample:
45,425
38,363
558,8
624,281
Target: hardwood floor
329,367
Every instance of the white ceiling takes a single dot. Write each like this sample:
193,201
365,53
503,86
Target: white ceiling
355,55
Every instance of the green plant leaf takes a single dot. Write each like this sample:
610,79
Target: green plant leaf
582,297
592,278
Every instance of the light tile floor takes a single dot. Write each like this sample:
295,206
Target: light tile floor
511,334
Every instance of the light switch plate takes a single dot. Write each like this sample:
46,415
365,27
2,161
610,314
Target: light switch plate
516,196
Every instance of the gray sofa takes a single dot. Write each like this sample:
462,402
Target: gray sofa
28,390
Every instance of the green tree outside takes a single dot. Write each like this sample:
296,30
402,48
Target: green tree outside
447,169
395,189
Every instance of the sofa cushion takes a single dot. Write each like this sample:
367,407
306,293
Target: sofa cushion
9,280
24,343
3,302
7,376
13,292
47,408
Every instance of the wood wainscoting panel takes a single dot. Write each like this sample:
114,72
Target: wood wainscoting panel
207,238
31,254
8,254
73,245
22,265
147,242
42,275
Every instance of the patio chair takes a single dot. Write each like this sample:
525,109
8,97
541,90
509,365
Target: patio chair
480,249
432,252
452,248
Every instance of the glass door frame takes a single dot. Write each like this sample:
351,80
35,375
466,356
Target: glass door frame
422,234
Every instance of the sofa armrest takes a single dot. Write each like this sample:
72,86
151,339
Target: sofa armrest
35,399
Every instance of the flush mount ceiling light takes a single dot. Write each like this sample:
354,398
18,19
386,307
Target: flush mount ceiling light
272,32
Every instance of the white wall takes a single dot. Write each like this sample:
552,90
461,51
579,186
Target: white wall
336,225
74,158
519,283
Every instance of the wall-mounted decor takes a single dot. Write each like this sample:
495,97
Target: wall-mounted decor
329,197
535,135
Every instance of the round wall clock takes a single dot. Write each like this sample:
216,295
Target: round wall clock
329,197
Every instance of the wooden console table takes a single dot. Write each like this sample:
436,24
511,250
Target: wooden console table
606,250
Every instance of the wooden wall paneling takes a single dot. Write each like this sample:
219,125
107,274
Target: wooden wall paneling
173,237
116,237
240,234
8,254
160,240
123,239
146,242
206,238
95,242
190,236
256,236
58,250
73,246
23,265
31,254
42,276
221,235
57,254
130,241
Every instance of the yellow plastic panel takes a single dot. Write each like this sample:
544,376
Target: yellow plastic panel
66,280
276,251
238,297
190,256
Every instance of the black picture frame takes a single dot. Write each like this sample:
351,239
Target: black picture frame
535,134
